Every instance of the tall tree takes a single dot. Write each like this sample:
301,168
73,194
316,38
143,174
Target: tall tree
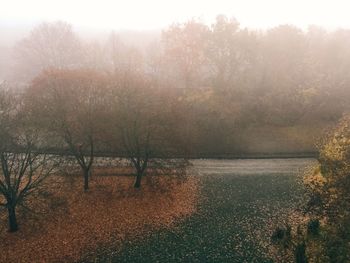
122,57
49,45
184,46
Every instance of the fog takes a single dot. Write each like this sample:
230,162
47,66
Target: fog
272,75
155,14
237,111
269,91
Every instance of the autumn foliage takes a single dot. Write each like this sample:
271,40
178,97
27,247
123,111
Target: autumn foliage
320,230
72,225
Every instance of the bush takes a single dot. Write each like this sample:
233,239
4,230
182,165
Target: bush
278,234
313,227
282,234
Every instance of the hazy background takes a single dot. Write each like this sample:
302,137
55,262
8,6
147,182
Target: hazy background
97,18
141,15
271,74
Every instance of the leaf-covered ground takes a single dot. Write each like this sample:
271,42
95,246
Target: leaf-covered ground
241,203
70,225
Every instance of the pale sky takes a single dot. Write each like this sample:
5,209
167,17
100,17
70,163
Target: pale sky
157,14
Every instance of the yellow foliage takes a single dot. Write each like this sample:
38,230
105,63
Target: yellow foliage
315,180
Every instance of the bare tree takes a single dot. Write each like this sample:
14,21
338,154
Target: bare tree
49,45
137,144
23,167
22,174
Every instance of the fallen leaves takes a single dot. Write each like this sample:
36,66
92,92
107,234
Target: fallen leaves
73,225
241,203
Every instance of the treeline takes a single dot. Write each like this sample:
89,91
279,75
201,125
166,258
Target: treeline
242,91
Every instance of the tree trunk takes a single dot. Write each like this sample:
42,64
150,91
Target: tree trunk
138,180
86,179
13,227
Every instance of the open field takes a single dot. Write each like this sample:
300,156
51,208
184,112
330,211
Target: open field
225,211
242,202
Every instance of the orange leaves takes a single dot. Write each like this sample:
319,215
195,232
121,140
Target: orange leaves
105,216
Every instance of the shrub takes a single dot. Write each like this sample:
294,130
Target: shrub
282,234
278,234
313,227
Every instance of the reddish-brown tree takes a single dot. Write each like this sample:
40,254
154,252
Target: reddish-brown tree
70,104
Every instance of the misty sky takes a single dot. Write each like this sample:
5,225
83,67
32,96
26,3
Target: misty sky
156,14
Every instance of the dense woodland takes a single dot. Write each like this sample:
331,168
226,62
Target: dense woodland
269,91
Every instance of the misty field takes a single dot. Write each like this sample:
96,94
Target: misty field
241,203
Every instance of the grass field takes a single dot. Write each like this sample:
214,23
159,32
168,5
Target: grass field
242,201
224,211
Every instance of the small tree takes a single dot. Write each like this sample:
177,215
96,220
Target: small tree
70,104
23,168
22,174
133,123
144,124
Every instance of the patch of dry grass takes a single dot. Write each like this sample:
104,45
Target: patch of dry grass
73,224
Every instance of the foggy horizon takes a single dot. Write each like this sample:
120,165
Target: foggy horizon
175,131
157,15
98,19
